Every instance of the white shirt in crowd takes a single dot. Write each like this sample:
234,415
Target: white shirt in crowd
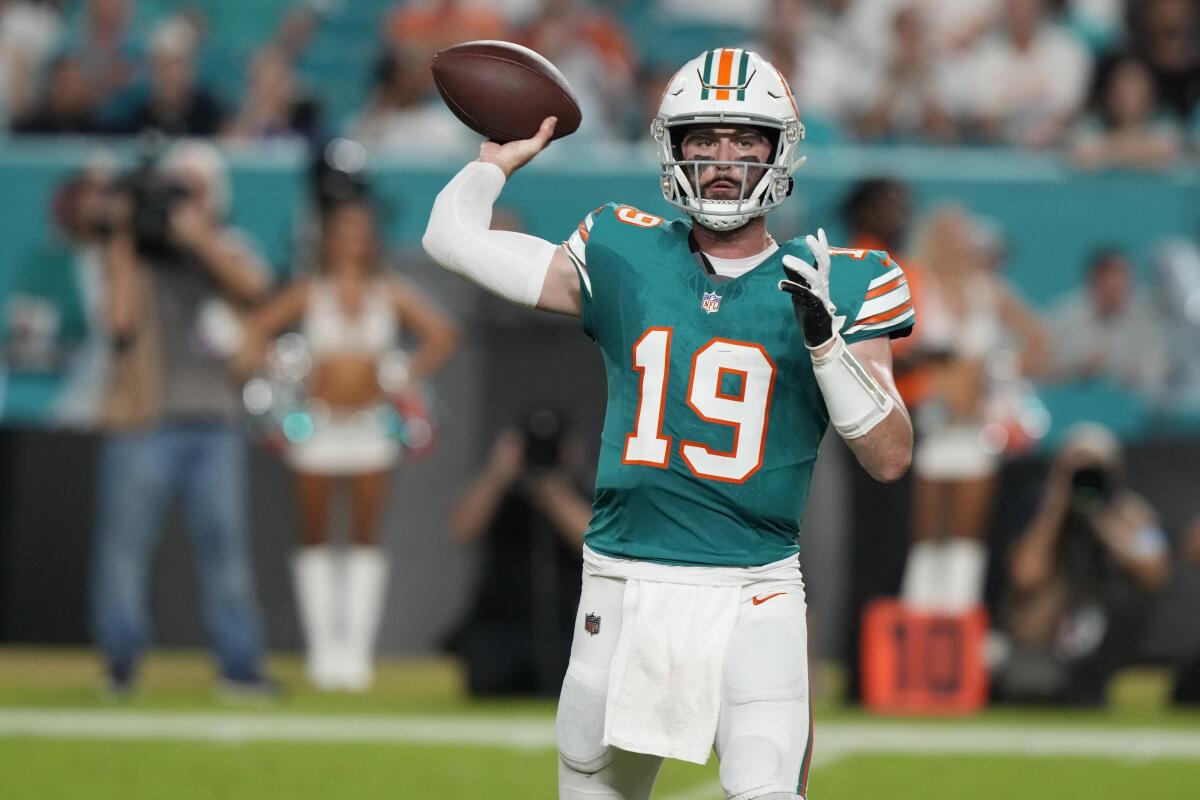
1027,89
29,32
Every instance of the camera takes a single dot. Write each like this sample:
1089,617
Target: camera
154,195
543,439
1092,487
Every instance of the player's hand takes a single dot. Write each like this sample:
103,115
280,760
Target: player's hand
808,284
514,155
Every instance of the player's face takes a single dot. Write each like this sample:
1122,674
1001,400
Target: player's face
724,181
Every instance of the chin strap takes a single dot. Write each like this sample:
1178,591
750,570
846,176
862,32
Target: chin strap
856,401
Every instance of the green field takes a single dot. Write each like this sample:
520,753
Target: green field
416,735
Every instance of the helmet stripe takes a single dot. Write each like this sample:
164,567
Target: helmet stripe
708,59
724,73
741,95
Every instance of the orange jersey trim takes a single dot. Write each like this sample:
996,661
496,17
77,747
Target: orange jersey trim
884,316
881,290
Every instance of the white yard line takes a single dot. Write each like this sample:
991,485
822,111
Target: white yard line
1015,740
834,740
512,734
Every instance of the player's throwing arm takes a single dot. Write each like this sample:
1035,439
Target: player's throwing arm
520,268
477,80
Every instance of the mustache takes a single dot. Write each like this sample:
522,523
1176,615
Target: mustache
734,180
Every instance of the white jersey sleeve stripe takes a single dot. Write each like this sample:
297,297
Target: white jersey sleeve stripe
891,323
577,247
891,274
878,305
579,266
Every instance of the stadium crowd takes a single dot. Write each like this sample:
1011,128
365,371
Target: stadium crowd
1112,83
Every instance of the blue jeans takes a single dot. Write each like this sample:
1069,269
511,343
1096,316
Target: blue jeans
204,465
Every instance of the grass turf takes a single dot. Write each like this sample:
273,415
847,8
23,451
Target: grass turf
186,770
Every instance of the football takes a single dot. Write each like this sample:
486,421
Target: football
503,90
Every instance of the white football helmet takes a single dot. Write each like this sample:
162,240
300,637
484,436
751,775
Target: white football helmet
738,87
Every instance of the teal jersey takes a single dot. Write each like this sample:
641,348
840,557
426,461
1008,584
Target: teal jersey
714,416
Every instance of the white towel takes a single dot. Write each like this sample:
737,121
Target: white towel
664,690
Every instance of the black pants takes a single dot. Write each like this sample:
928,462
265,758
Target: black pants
1045,675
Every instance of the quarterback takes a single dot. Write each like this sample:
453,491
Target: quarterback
728,355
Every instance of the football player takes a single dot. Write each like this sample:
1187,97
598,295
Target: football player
727,354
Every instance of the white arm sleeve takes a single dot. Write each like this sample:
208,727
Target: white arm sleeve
509,265
856,401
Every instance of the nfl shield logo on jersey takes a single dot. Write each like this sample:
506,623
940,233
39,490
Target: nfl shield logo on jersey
591,623
711,302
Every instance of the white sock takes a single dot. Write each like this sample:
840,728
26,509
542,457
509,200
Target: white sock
919,587
966,561
312,574
366,590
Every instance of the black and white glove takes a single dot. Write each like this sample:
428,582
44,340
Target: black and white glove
808,284
856,401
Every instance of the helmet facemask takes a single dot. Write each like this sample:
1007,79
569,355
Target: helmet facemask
763,185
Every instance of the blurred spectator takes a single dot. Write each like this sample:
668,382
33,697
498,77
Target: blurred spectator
1166,34
877,212
1087,562
803,45
594,54
29,33
1023,84
1098,23
1177,265
745,14
67,105
401,110
175,268
1127,128
273,106
350,314
1187,680
904,101
967,312
528,508
423,28
295,32
174,104
1108,329
951,26
54,321
107,48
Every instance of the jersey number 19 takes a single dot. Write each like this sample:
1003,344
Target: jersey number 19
745,410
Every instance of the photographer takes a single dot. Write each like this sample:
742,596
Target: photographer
1082,577
52,325
175,269
529,508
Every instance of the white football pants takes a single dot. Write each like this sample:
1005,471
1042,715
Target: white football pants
764,737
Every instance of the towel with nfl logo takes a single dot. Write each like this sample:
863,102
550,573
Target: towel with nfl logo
664,690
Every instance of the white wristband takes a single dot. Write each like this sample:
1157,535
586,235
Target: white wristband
510,265
856,401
